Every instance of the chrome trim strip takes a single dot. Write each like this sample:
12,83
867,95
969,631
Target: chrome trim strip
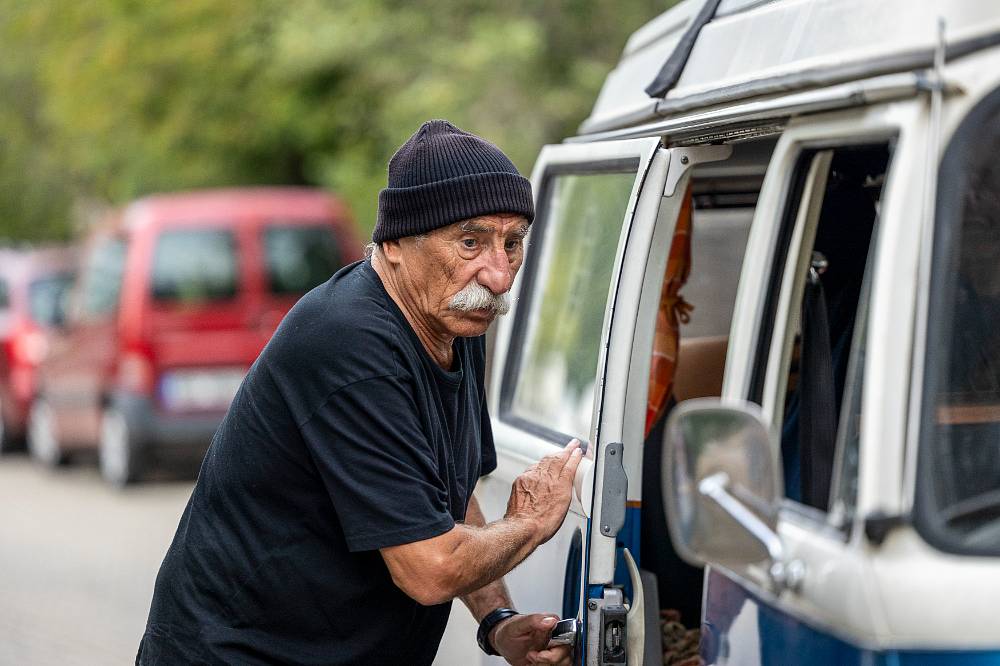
855,93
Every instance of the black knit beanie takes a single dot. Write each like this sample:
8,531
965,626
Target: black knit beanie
443,175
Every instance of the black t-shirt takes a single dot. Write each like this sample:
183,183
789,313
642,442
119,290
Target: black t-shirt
344,437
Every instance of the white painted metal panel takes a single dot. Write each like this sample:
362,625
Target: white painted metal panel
795,36
797,43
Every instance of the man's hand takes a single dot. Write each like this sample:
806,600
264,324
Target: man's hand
542,494
524,639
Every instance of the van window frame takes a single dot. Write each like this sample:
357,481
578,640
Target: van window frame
818,520
953,175
527,293
793,193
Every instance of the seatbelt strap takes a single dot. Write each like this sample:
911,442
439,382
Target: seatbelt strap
818,410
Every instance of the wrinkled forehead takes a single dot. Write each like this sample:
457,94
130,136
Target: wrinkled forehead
493,224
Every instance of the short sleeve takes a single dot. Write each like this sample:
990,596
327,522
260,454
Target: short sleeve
379,470
488,453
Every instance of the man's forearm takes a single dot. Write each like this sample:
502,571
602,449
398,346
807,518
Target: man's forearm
462,561
493,595
486,554
469,557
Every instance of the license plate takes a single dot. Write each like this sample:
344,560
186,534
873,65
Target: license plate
200,390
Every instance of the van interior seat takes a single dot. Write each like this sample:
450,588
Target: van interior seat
701,365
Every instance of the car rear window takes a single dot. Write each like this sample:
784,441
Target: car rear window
102,277
299,257
45,298
194,265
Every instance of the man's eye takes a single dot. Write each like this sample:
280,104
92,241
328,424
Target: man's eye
469,243
513,244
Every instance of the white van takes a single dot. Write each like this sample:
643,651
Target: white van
827,173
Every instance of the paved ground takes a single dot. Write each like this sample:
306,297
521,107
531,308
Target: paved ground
78,561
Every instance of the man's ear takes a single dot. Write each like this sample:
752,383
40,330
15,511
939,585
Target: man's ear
392,251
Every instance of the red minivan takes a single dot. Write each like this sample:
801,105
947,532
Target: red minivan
32,286
176,297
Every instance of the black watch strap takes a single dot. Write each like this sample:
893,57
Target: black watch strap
492,619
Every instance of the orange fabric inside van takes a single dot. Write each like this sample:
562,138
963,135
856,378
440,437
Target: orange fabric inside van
673,311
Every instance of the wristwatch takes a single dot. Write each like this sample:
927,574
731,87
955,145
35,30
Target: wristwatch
492,619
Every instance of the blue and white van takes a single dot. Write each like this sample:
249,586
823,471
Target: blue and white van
822,485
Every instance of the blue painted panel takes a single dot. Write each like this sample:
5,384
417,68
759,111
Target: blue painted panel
739,627
628,537
942,658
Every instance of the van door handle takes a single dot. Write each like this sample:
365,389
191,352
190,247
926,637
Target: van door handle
635,619
583,488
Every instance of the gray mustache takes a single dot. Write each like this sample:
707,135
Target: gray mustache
477,297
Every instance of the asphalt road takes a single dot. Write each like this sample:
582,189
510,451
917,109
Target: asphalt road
78,560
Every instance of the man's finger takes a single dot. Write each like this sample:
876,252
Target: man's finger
565,452
533,626
557,461
569,471
559,458
544,622
560,654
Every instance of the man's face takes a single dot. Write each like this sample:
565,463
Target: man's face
456,274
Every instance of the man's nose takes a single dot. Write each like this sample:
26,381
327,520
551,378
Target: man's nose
495,273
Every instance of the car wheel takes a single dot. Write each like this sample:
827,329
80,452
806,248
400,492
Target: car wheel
117,454
42,441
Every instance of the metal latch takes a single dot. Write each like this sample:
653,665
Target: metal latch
614,628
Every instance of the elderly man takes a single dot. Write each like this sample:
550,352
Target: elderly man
333,520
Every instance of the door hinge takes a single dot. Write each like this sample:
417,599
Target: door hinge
614,490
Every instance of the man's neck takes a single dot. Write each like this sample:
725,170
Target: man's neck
437,345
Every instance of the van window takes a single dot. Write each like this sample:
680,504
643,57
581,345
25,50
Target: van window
567,291
718,241
958,500
4,295
194,265
45,298
822,345
297,258
102,277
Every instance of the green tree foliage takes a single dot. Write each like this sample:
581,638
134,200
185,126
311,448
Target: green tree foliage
113,99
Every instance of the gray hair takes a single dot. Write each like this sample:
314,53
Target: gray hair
475,296
374,248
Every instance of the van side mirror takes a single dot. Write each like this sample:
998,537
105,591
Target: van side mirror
722,487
